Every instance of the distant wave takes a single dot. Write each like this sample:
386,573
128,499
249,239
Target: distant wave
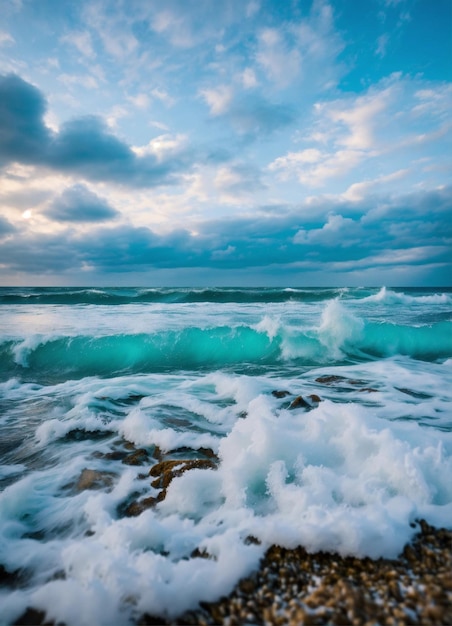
387,296
110,296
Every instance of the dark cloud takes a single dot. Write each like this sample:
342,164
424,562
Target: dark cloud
83,146
79,204
6,227
265,243
23,135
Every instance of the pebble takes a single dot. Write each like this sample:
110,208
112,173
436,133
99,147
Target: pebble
293,587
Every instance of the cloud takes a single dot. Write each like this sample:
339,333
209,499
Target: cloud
23,136
6,227
280,63
218,99
82,41
337,231
6,39
163,147
382,45
83,146
248,78
359,191
79,204
78,80
336,243
350,131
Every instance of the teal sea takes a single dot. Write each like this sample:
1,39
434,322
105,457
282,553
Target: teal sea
314,417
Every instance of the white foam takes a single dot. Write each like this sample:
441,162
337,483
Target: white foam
269,325
337,478
338,327
387,296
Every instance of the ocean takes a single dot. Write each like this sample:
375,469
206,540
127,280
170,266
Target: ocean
155,442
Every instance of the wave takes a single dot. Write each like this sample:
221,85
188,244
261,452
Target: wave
388,296
118,296
341,337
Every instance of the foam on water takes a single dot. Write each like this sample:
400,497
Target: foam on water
393,297
349,475
335,478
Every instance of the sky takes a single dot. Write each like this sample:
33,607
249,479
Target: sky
226,142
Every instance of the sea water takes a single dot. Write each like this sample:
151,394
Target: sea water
349,470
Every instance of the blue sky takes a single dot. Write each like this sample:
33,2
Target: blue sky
226,142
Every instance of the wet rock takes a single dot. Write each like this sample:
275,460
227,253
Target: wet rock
368,390
33,617
315,398
294,587
165,471
206,452
138,457
137,507
280,394
201,554
152,620
209,453
9,578
79,434
93,479
328,380
298,402
250,540
116,455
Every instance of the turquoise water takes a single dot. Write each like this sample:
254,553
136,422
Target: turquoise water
84,371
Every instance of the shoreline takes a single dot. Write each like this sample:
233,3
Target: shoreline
294,587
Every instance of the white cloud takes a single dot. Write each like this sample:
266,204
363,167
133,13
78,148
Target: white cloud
82,80
313,167
82,41
218,99
140,100
382,45
330,233
116,113
163,96
163,146
6,39
359,119
248,78
280,63
175,27
358,191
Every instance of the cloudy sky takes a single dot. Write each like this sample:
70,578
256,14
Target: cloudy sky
225,142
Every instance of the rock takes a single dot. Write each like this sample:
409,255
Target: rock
201,554
139,457
165,471
32,617
137,507
327,380
209,453
7,578
315,398
280,394
93,479
368,390
299,401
